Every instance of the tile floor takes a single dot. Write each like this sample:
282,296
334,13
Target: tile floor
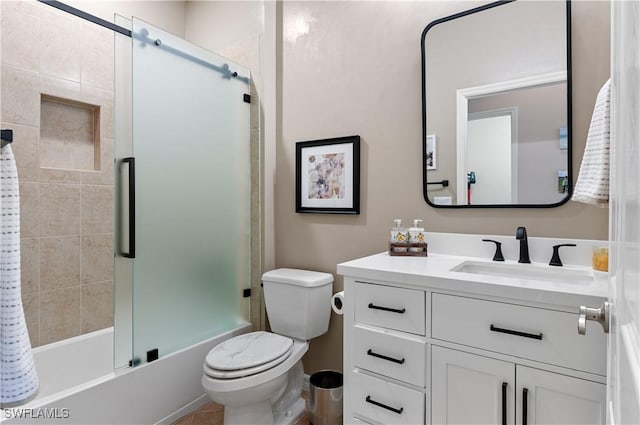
213,414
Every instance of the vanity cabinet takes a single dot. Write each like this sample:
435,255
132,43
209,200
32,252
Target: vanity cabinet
469,388
419,353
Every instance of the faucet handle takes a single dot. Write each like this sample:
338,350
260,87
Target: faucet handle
498,255
555,258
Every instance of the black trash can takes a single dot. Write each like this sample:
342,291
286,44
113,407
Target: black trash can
325,400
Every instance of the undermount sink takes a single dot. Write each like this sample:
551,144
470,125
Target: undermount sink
527,272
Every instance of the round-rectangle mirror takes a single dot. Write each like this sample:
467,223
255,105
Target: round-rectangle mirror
496,84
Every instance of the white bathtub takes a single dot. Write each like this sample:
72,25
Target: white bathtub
78,384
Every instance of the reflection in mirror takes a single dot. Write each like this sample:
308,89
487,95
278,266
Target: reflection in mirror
496,110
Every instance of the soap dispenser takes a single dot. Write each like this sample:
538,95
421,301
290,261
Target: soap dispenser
399,235
416,235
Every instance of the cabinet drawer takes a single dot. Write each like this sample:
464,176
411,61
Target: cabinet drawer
543,335
396,356
389,307
385,402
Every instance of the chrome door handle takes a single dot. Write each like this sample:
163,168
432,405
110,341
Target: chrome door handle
600,315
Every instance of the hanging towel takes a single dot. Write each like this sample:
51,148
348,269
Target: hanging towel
592,186
18,378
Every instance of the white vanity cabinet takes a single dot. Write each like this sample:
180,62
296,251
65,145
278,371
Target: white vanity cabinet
422,350
469,388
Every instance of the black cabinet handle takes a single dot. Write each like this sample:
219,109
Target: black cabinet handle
525,392
504,403
381,356
384,406
518,333
131,161
393,310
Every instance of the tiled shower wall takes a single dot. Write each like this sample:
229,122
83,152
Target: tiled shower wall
57,96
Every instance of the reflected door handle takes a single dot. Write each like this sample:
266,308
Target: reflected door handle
600,315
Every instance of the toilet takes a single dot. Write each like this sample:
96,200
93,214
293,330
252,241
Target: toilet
258,376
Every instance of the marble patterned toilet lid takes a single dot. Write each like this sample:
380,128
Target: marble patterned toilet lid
248,351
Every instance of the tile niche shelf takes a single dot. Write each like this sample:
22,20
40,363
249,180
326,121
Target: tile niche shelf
69,134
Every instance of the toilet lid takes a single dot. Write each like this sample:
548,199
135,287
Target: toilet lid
231,374
250,350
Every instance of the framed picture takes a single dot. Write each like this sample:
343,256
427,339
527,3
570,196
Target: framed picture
328,176
431,152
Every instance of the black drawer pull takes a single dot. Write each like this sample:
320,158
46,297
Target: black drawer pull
381,356
384,406
518,333
393,310
504,403
525,393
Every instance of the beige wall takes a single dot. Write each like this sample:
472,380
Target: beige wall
166,14
354,68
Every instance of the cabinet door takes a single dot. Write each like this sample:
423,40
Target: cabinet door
550,398
470,389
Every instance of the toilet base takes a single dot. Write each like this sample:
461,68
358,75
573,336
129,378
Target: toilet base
262,414
258,414
291,416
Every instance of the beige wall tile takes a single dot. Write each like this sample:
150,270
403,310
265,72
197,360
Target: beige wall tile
31,306
20,96
67,135
60,53
26,7
97,209
29,210
97,258
29,265
25,149
59,262
60,314
97,306
59,210
59,87
97,57
105,175
55,175
106,121
20,38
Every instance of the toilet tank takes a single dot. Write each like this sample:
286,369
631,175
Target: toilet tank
298,302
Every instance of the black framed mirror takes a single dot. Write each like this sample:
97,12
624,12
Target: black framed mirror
496,106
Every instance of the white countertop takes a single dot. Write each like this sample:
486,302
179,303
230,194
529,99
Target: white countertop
434,272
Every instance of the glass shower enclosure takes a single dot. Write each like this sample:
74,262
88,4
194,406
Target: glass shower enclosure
183,203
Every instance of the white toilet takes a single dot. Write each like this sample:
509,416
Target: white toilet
258,376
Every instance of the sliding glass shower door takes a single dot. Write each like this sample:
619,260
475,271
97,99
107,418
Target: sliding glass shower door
188,194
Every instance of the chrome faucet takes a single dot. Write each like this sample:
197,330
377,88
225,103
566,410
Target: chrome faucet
521,235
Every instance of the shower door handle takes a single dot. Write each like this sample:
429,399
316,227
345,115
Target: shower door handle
131,161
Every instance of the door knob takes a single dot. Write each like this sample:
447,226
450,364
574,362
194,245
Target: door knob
600,315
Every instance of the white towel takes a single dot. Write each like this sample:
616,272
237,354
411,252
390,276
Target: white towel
592,186
18,378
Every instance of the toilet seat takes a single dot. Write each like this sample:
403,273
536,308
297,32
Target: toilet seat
247,354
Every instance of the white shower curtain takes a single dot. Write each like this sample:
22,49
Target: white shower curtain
18,378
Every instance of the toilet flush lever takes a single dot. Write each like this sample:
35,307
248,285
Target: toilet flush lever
600,315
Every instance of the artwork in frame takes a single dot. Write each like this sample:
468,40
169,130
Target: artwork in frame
431,152
328,176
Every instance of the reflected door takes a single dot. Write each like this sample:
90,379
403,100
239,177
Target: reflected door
192,193
489,156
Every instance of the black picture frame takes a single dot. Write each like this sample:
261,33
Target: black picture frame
328,176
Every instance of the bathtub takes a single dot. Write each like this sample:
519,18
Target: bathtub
79,386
